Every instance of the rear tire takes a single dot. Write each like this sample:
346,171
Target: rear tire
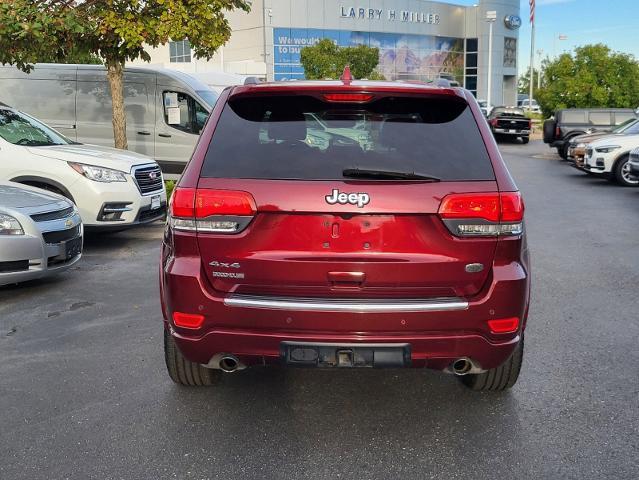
185,372
621,172
500,378
525,140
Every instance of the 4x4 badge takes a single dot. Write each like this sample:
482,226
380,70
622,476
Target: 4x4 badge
359,199
215,263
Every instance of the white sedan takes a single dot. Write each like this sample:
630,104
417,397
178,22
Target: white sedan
609,156
112,188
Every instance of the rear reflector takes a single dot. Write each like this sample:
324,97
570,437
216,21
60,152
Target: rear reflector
483,214
187,320
219,211
348,97
504,325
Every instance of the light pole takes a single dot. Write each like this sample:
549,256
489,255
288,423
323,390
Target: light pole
491,16
539,53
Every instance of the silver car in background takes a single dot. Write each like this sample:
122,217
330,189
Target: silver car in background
41,233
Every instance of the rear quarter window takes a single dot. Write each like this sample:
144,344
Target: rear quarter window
573,117
304,138
600,118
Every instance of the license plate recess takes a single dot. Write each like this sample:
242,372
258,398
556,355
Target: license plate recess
353,355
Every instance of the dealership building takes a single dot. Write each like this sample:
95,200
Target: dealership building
417,40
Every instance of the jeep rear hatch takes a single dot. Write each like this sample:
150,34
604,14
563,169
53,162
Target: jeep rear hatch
326,195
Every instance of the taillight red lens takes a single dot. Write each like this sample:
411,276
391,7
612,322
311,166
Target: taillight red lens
223,202
183,203
494,207
557,132
187,320
471,205
512,207
348,97
504,325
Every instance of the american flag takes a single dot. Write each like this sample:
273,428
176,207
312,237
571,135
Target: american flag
532,10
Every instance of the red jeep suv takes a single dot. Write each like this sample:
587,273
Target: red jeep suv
345,224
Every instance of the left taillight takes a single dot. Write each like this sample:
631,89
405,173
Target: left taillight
483,214
213,211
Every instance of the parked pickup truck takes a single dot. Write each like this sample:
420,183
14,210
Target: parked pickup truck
571,122
510,121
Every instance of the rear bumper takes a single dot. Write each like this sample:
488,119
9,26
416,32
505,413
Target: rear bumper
255,333
432,351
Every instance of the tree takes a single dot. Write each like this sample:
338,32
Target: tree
327,60
74,56
116,31
594,76
523,83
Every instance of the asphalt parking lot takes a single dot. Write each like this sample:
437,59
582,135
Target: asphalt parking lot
84,393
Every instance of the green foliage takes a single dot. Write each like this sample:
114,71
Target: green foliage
73,56
170,186
327,60
523,83
593,76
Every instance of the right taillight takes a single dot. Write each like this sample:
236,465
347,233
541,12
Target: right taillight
483,214
213,211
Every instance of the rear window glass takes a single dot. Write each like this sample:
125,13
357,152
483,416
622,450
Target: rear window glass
301,137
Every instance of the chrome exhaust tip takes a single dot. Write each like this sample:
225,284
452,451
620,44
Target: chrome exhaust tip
462,366
229,363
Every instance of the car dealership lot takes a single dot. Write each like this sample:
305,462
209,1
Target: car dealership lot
84,392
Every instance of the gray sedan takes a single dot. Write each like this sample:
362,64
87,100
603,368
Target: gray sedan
40,233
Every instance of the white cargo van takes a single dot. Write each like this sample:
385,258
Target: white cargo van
166,109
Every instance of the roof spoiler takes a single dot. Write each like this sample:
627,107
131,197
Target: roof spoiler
252,81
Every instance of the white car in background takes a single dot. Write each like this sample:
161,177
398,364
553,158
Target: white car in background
609,156
534,106
112,189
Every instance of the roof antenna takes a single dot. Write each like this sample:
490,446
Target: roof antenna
346,77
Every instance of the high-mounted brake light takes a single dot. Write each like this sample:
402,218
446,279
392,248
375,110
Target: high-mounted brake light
348,97
483,214
215,211
504,325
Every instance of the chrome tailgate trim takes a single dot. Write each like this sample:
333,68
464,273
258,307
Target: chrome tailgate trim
346,305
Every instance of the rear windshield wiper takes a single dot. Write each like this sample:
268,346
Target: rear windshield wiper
386,174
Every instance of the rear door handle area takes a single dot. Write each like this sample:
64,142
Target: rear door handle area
144,132
346,279
164,135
